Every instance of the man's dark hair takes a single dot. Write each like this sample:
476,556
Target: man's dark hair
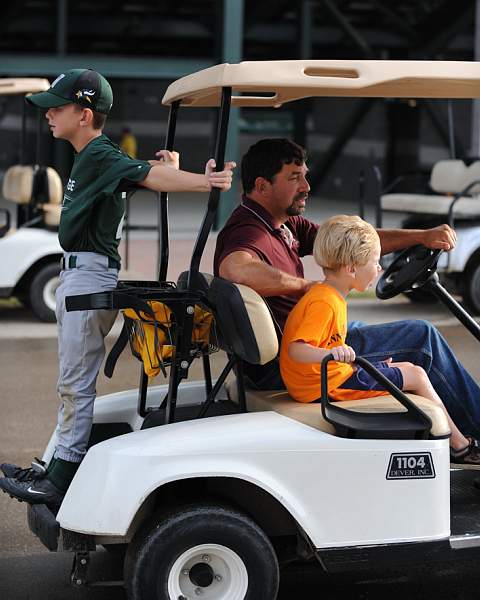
267,157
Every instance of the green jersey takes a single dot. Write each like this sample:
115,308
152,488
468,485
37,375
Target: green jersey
94,202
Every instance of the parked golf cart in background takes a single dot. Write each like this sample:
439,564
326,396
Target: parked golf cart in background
214,507
29,244
449,194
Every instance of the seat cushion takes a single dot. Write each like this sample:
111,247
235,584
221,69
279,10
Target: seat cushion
431,204
311,414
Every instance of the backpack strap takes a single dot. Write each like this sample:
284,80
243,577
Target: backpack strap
110,301
115,352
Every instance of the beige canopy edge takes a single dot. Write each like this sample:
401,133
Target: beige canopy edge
23,85
272,83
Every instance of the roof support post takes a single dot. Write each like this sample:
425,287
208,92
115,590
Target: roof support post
301,108
62,152
163,249
61,41
215,195
475,121
232,52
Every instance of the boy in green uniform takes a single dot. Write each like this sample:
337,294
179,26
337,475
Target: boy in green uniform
77,104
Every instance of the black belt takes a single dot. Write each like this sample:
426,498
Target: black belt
72,263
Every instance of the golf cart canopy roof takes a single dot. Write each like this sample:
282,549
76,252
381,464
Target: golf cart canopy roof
23,85
272,83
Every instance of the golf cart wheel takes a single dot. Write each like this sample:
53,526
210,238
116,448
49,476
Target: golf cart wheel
202,550
471,287
42,292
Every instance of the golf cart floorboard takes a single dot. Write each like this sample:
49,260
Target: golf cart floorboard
464,502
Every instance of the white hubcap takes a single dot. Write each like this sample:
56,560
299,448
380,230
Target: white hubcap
49,292
208,572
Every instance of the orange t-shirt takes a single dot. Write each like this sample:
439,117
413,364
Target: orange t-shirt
318,319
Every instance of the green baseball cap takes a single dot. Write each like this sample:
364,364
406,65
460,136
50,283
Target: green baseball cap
80,86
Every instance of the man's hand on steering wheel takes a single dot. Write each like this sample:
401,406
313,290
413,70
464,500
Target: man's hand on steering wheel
442,237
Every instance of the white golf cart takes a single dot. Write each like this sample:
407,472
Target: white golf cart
30,249
454,199
214,507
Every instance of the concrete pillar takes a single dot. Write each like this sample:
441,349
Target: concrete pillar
61,41
301,107
232,52
475,126
62,151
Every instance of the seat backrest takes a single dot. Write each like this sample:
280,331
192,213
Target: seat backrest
472,173
244,322
51,189
448,176
453,176
51,214
23,184
202,282
18,184
55,187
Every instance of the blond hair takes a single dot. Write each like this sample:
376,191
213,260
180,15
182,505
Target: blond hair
344,240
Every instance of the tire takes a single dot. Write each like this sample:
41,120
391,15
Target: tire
203,550
42,292
471,287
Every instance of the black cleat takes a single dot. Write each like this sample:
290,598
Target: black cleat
36,471
39,491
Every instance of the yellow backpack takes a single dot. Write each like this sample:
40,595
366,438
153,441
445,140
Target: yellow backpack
152,339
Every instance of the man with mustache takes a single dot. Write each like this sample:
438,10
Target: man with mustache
261,244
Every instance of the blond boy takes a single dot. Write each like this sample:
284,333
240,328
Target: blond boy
348,250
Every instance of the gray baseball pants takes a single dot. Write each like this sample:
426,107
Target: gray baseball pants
81,350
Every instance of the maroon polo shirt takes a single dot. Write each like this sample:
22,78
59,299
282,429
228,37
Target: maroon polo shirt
250,229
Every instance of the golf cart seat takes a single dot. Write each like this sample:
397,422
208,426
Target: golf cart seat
38,185
457,188
243,321
311,414
246,329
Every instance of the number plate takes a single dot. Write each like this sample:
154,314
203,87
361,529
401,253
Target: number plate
417,465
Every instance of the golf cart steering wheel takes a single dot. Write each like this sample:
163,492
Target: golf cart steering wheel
410,269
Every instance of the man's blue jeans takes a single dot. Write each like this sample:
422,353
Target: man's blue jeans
420,343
